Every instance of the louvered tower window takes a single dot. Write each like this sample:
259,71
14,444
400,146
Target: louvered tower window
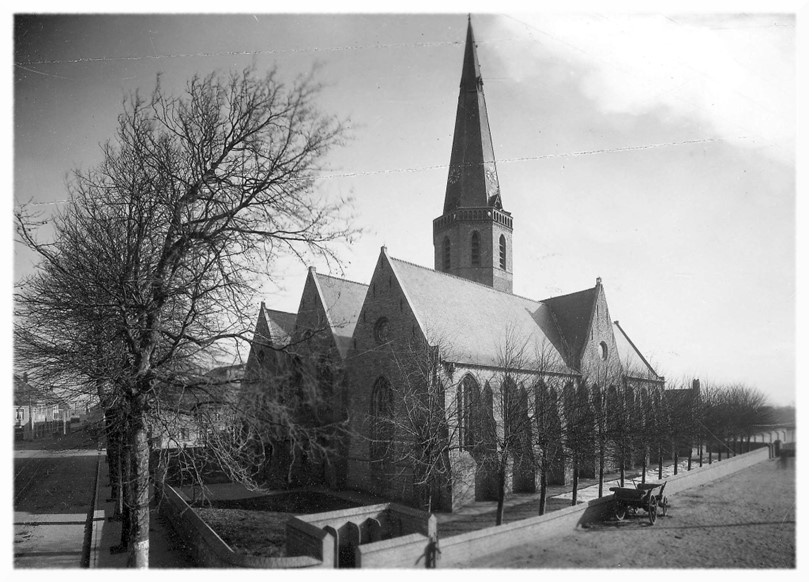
475,249
446,253
502,252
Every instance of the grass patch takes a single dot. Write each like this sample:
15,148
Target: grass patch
257,526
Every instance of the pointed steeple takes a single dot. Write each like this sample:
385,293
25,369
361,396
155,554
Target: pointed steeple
472,180
472,238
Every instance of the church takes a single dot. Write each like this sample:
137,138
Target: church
452,388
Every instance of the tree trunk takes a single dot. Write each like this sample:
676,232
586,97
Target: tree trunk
501,495
139,540
660,463
676,458
601,470
575,483
643,474
119,493
543,488
125,497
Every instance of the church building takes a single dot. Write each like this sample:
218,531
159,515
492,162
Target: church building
451,386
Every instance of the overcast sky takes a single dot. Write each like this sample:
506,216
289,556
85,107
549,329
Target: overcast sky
655,151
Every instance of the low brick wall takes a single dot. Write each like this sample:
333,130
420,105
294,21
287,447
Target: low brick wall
700,475
210,551
402,552
353,526
458,550
340,517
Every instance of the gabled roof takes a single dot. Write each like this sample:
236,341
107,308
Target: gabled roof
472,322
281,324
342,300
572,314
633,362
25,394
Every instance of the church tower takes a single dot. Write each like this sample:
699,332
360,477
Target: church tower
472,239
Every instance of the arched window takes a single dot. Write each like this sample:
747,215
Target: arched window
468,410
510,403
475,249
446,253
614,409
381,418
503,252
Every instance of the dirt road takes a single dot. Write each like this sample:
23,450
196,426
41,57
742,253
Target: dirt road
746,520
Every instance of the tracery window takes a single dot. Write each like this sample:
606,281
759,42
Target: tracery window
468,411
381,418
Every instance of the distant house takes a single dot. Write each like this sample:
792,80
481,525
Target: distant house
189,412
37,411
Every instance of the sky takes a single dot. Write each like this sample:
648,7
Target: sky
656,150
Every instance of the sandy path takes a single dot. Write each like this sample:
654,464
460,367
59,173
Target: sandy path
746,520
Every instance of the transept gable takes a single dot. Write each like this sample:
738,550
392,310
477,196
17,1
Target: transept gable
328,311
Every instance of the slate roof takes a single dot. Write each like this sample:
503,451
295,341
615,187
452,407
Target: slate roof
471,320
281,325
572,315
472,180
631,359
342,300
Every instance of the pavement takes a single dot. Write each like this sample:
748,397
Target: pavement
55,478
166,549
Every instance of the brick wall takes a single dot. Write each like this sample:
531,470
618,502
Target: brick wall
460,235
210,551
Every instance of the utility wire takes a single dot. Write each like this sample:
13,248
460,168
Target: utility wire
505,161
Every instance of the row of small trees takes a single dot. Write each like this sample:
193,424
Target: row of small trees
530,422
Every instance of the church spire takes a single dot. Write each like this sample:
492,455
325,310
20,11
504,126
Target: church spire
472,180
472,239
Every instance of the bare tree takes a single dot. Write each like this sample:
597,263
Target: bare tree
610,417
424,421
509,421
162,244
731,412
549,368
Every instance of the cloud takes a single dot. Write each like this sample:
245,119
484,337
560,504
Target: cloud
732,75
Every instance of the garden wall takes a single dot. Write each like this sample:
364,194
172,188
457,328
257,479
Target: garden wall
403,552
709,472
460,549
210,551
381,535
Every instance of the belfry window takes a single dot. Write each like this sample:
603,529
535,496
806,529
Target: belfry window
503,252
446,253
475,249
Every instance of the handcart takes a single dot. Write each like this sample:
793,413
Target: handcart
640,497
